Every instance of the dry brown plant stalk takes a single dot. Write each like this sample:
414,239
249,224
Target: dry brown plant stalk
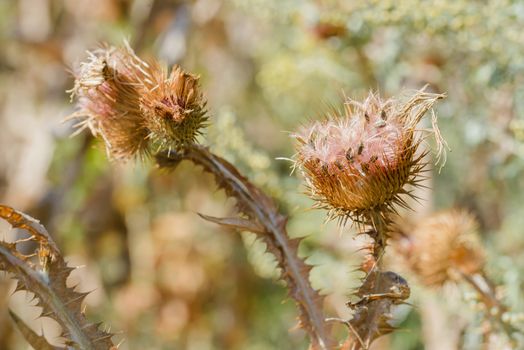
46,278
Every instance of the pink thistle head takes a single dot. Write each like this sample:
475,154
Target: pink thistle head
360,161
136,106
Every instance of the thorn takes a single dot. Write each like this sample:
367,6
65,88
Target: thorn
19,287
80,296
47,314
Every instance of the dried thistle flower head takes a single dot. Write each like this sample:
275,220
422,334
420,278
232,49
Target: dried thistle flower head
173,107
135,106
360,161
440,247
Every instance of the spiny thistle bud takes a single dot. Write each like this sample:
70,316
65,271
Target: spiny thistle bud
359,161
440,247
173,107
134,106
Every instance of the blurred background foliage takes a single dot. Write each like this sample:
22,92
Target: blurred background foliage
163,278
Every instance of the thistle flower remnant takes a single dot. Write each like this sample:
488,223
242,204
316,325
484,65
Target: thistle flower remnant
358,163
173,108
441,247
134,106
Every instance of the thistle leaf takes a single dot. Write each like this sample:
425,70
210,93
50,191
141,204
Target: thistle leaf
379,292
36,341
235,223
47,280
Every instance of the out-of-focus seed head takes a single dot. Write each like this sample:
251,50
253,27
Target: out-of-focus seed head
359,161
135,106
441,247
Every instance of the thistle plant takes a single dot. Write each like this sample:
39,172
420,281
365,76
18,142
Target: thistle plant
361,164
358,165
138,108
44,272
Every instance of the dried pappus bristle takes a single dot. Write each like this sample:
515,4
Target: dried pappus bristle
359,162
134,106
440,247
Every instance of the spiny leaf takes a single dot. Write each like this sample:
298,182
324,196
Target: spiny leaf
47,280
235,223
36,341
380,291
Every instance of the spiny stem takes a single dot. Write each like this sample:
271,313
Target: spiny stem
378,222
379,292
258,206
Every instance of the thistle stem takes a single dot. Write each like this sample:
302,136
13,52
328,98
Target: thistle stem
379,292
252,202
377,220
